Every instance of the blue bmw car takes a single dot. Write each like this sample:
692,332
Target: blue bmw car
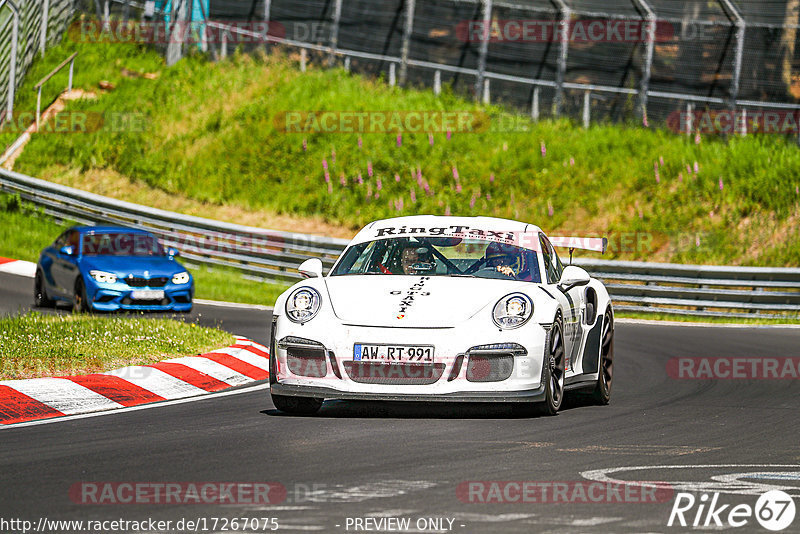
108,268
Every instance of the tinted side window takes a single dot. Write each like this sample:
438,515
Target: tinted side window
549,260
61,241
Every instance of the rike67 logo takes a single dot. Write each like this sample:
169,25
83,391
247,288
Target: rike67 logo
774,510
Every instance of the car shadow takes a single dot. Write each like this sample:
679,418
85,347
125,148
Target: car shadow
362,409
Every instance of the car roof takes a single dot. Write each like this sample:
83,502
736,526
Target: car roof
107,229
403,226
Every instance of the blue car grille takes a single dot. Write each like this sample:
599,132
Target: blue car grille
135,281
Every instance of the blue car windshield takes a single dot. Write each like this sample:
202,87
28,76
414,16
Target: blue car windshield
440,256
121,244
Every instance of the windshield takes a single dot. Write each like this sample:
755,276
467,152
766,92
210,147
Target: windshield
121,244
440,256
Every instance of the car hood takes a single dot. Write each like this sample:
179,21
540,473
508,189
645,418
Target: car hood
413,301
154,266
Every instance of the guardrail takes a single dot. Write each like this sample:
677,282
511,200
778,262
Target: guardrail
38,87
696,290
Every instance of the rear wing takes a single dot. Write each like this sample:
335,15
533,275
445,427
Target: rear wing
595,244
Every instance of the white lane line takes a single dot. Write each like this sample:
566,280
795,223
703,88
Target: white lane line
63,395
213,369
205,396
652,322
157,381
233,305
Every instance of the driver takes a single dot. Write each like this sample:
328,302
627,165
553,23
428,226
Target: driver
505,259
412,257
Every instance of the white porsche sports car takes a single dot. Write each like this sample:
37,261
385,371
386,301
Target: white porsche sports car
432,308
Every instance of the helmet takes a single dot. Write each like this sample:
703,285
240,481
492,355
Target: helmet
501,254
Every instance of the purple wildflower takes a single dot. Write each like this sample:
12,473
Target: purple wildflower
396,177
543,148
305,145
449,134
360,142
413,196
399,139
696,167
369,169
430,139
721,186
360,179
455,173
379,184
491,178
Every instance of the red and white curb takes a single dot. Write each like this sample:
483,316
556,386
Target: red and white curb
20,267
43,398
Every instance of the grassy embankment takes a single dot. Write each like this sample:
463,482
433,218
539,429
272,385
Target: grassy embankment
36,345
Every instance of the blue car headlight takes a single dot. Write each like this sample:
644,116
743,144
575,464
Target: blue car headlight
180,278
103,277
302,305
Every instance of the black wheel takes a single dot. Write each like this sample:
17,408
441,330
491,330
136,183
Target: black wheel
40,298
602,391
297,405
554,370
79,302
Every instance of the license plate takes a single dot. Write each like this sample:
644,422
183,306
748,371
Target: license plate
367,352
147,294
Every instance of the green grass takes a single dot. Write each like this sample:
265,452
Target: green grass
212,135
713,320
25,231
35,345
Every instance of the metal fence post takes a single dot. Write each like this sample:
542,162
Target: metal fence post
486,19
12,60
689,118
223,47
437,82
337,17
175,46
405,48
267,9
644,87
392,74
587,97
486,98
737,65
303,59
45,14
71,72
563,28
535,104
106,14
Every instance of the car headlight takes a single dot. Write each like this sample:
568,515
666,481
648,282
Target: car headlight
181,278
103,277
512,311
302,305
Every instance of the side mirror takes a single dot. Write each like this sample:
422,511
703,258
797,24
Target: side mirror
67,250
573,276
311,268
173,252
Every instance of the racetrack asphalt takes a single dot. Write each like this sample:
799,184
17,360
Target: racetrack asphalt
369,459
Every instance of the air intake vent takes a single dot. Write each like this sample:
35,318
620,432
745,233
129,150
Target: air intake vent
394,374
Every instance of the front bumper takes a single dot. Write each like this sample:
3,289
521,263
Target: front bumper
455,362
115,297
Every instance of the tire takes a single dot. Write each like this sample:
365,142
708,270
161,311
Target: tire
554,371
40,298
79,301
602,391
297,405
